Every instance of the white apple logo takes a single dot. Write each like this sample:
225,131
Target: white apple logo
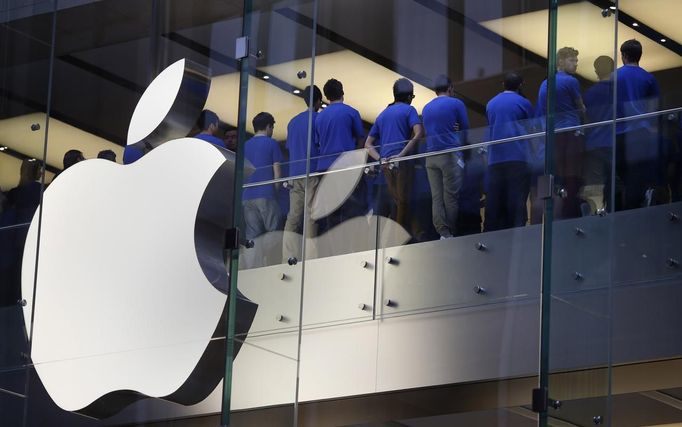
122,303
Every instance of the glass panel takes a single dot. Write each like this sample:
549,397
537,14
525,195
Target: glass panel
430,295
277,119
578,113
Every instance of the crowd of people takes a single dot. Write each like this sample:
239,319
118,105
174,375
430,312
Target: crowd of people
450,189
501,177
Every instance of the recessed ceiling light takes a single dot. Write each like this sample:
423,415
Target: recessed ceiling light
612,7
31,160
266,77
3,148
296,91
324,105
634,24
663,40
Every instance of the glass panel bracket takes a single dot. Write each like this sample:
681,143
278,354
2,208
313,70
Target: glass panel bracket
545,186
542,401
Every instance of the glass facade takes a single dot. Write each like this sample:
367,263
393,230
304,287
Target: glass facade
325,212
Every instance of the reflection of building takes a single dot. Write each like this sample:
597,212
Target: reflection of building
432,333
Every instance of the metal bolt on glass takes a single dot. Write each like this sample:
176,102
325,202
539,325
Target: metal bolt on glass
579,231
389,303
302,74
561,192
672,262
481,246
391,260
577,276
35,127
282,276
362,306
556,404
673,217
479,290
22,302
597,419
279,318
292,261
601,212
364,264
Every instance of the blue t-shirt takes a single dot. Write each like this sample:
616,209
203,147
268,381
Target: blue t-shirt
637,93
131,154
567,95
394,128
262,152
337,128
212,139
440,117
599,103
297,144
509,115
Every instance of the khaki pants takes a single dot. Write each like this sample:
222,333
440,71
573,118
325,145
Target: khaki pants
300,201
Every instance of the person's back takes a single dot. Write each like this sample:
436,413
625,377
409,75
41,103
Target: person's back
509,115
337,127
566,107
599,105
638,93
442,116
393,127
297,143
262,151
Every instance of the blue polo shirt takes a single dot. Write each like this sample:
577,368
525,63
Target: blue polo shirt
297,144
567,95
599,103
262,152
509,115
394,128
337,128
637,93
440,117
212,139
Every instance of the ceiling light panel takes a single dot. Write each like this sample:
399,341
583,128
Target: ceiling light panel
581,25
368,86
661,15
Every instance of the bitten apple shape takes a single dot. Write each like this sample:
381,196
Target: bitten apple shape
118,302
121,301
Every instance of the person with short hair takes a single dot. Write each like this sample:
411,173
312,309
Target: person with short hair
72,157
261,211
509,115
338,128
637,141
107,155
597,168
301,148
209,125
569,146
398,128
446,122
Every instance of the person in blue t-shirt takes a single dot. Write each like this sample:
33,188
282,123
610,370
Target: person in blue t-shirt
300,194
569,146
210,126
398,128
599,140
446,122
338,128
637,141
261,211
509,115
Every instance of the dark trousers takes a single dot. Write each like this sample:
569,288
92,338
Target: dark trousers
506,194
638,165
399,186
568,156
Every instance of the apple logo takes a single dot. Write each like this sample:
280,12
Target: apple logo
130,286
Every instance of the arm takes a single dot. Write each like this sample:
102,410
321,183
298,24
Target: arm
277,173
369,145
417,132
